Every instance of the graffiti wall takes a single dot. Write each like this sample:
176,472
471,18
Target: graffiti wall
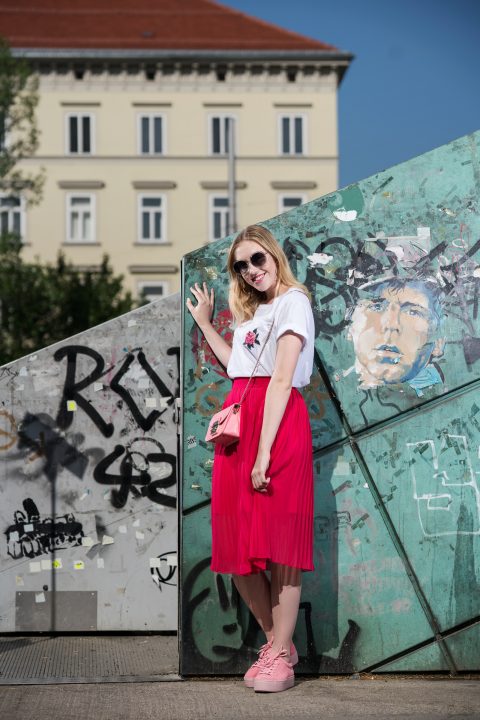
393,265
88,476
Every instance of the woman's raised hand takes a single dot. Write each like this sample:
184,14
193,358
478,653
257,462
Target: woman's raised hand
202,312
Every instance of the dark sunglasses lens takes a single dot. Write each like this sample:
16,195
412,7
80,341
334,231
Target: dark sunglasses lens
240,266
258,259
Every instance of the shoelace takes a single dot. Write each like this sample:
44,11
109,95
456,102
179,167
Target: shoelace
261,654
272,661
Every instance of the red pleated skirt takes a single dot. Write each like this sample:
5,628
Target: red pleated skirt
250,529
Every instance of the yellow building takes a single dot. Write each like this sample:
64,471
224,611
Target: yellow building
136,101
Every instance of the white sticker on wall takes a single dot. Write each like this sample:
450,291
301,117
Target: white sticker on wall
39,597
122,529
97,387
71,406
107,540
131,323
155,562
171,560
139,535
57,564
345,215
151,402
87,542
35,567
46,564
14,536
19,580
100,563
28,527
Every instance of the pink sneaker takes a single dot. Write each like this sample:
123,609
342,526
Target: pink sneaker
276,674
254,669
263,653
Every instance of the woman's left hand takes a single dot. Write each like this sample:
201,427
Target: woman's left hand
259,481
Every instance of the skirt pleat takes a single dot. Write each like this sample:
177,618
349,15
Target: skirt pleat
252,529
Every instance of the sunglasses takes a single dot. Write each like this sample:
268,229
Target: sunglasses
257,260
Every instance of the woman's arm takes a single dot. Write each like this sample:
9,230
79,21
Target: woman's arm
202,314
289,346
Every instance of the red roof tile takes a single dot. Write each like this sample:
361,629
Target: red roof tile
143,25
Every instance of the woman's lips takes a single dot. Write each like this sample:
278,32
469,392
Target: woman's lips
258,278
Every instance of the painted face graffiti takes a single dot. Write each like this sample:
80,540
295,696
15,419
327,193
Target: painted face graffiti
394,330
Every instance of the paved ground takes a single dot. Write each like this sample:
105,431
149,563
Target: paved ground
228,699
134,677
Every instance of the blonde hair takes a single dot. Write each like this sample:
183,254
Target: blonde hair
243,299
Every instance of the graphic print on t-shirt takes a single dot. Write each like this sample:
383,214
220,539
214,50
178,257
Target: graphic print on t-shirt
251,339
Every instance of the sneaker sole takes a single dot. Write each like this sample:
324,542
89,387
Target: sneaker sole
273,685
249,682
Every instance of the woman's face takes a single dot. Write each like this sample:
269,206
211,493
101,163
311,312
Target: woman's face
262,278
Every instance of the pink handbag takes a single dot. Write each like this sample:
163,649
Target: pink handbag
224,427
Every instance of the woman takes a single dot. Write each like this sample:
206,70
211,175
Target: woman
262,486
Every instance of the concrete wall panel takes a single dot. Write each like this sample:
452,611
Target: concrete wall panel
88,443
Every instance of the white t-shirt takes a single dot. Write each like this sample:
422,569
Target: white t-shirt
292,311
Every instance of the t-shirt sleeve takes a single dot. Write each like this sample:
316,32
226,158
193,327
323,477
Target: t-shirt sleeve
295,314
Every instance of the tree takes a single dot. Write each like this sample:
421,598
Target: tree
42,304
18,127
39,304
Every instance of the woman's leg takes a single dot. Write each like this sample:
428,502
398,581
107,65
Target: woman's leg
286,588
255,592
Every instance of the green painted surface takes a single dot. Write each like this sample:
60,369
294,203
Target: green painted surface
426,468
429,658
359,583
393,264
465,647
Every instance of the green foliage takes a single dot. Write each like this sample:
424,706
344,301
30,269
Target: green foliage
42,304
39,304
18,127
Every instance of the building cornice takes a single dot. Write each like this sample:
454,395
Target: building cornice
289,60
190,55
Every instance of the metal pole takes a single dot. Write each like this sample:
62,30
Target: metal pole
232,203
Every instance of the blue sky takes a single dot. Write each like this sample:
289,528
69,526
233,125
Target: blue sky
415,80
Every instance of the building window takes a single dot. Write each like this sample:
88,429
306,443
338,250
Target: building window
12,215
81,218
287,202
219,134
80,128
219,217
151,130
292,134
151,218
154,289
